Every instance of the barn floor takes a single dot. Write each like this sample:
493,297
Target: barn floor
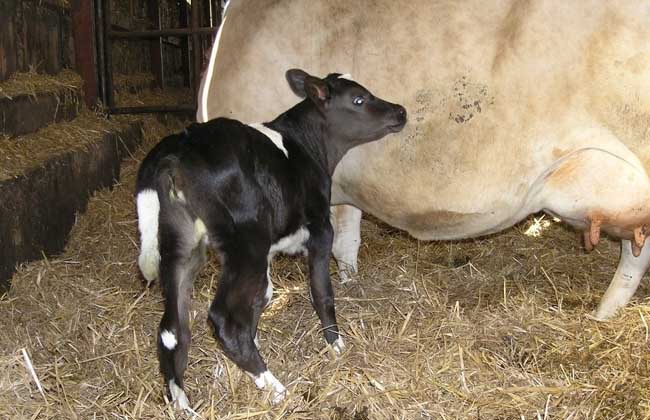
484,329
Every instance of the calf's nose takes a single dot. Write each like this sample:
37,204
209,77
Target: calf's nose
401,113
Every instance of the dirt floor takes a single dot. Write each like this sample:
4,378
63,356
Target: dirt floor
483,329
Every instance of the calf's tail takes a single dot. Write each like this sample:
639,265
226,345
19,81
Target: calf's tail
148,206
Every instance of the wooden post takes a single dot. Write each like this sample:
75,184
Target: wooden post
83,30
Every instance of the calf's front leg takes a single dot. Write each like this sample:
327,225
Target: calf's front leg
319,247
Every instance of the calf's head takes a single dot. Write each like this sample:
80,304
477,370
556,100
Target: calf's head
352,114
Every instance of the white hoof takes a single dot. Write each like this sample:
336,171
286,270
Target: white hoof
179,397
257,342
266,380
338,346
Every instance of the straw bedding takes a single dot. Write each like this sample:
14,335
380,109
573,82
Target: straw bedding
482,329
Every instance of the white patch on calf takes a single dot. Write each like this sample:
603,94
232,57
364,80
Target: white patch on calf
178,396
267,380
148,207
347,76
291,244
200,231
273,135
269,289
168,339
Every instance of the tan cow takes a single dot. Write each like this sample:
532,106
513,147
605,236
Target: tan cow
516,106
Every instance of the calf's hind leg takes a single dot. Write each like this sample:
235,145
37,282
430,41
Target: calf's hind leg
182,255
236,308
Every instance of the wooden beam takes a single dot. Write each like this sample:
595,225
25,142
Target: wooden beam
83,30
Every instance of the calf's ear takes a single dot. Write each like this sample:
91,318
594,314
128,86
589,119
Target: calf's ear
305,85
296,79
317,91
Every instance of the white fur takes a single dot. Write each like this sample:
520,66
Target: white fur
346,221
273,135
291,244
267,380
269,288
200,231
168,339
178,396
347,76
626,280
148,207
204,89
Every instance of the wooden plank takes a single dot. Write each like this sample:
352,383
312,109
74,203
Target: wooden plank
8,47
41,35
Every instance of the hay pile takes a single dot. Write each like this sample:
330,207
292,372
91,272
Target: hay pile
169,96
31,82
485,329
34,150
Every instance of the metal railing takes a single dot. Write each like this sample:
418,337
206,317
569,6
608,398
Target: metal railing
107,32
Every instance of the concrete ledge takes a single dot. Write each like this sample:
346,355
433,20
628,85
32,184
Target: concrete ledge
38,208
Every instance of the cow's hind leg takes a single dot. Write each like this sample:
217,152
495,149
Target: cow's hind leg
237,306
598,190
626,280
182,245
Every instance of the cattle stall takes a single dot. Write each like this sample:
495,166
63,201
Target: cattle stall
490,328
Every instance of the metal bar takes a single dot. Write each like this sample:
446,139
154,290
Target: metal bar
216,12
108,54
185,43
101,52
196,46
83,30
152,109
159,33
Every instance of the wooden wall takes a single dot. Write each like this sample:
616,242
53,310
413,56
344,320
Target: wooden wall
34,34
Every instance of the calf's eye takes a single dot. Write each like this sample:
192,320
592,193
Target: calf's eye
358,100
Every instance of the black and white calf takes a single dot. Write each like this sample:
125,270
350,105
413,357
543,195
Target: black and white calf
250,191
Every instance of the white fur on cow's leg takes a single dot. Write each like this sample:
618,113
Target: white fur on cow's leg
625,282
178,396
266,380
346,221
148,207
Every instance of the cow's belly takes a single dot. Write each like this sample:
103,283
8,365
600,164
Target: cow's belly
429,219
